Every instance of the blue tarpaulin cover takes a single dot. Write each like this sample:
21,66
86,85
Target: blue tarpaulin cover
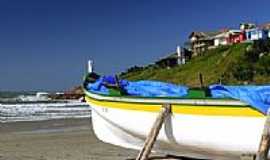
256,96
139,88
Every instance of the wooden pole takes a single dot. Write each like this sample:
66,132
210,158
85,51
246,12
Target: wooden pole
152,136
117,81
201,80
265,141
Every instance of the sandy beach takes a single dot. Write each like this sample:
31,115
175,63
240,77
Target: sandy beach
69,139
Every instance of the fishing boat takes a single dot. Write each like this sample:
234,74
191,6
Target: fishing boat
199,125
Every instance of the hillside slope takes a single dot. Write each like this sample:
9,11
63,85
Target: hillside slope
228,64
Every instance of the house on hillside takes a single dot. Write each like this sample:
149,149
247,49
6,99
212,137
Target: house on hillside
256,34
266,27
167,62
252,32
222,38
236,36
229,37
245,26
202,41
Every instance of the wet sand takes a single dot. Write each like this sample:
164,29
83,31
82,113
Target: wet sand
70,139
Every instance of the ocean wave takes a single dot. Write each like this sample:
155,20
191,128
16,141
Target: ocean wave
43,111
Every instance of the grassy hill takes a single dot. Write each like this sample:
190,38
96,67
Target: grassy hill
235,64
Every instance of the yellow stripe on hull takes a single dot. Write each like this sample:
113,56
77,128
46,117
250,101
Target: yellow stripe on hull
182,109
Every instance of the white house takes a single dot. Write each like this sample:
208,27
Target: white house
221,39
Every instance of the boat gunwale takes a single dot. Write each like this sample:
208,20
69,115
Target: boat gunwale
186,102
168,100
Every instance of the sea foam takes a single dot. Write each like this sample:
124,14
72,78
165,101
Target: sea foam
37,111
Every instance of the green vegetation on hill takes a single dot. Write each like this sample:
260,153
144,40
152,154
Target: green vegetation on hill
235,64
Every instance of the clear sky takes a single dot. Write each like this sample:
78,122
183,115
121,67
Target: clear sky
45,44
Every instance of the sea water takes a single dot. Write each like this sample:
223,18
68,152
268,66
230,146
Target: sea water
38,110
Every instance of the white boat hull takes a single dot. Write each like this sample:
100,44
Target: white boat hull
200,136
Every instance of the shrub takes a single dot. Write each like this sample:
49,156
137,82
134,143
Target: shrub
243,71
263,65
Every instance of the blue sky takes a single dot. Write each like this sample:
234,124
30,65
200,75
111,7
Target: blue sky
45,44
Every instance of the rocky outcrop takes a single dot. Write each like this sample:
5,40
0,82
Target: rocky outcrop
74,93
